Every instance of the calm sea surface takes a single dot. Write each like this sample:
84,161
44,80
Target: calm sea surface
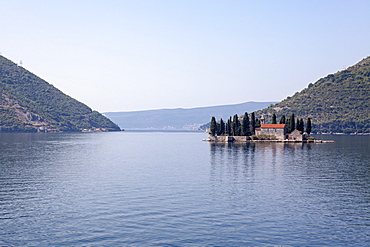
172,189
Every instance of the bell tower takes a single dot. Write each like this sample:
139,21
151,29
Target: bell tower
262,119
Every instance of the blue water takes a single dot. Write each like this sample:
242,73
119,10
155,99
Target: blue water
172,189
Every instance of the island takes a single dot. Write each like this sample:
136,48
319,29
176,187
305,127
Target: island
250,129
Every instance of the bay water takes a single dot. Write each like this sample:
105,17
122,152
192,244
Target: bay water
173,189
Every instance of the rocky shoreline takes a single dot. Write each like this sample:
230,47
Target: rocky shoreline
246,139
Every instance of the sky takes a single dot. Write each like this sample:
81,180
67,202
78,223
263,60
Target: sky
117,55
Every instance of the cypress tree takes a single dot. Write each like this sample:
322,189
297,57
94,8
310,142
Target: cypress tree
282,120
297,124
308,126
213,127
232,133
221,130
253,123
245,125
236,125
273,118
291,125
230,126
227,127
288,126
301,125
242,126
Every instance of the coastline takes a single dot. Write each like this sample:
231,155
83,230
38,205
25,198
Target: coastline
246,139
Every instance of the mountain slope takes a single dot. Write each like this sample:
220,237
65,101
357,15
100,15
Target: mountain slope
180,118
29,104
339,102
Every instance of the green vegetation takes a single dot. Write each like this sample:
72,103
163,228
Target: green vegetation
290,124
273,119
337,103
300,125
30,104
282,120
308,126
213,127
233,127
245,126
242,126
253,123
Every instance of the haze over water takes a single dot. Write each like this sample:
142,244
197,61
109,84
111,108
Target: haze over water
172,189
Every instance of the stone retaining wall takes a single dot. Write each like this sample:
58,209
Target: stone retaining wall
248,139
228,138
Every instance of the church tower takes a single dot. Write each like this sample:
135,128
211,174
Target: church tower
262,119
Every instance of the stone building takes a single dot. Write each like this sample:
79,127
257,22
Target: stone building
277,130
296,135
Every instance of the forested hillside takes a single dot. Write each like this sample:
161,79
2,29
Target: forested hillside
30,104
337,103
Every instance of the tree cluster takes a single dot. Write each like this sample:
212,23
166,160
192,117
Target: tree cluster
234,126
246,125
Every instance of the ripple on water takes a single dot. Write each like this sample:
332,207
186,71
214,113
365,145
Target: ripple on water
109,189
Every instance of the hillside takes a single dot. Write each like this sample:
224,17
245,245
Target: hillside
337,103
180,118
30,104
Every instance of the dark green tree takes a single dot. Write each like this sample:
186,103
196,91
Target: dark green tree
230,130
288,125
282,120
221,129
245,125
297,124
308,126
213,127
236,125
253,123
273,119
291,125
228,127
301,125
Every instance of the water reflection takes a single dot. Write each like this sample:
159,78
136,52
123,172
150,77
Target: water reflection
244,157
314,187
105,189
299,164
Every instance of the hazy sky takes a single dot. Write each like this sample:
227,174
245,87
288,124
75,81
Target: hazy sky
136,55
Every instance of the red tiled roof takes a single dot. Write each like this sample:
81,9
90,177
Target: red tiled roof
276,126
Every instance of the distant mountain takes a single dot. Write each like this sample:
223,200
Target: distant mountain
180,118
30,104
338,103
